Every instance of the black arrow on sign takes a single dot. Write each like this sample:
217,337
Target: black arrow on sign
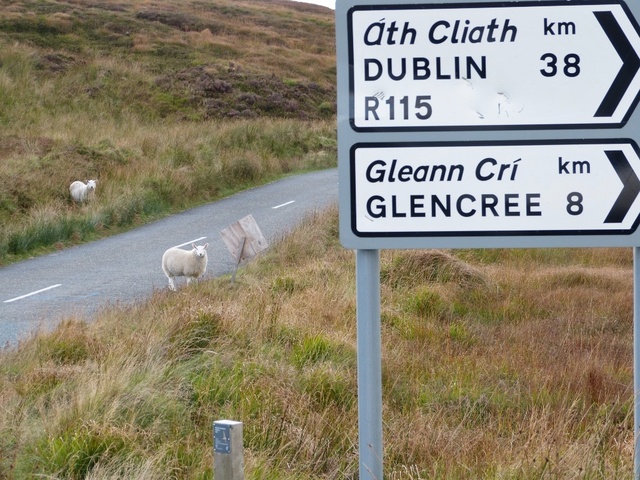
630,63
630,188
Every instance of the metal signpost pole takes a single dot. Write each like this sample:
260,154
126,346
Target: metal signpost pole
369,364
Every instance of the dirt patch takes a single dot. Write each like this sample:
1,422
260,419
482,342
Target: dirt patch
56,62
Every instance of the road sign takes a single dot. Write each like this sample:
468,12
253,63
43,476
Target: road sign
451,116
512,65
497,188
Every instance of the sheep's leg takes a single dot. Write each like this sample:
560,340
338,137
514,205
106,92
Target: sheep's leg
172,286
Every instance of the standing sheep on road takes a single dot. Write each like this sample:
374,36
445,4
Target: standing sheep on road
80,192
184,263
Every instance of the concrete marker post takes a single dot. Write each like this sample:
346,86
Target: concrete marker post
228,450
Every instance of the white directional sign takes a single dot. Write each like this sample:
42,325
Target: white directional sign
502,188
450,118
510,65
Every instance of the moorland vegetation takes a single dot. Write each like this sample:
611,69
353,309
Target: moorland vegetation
168,104
497,364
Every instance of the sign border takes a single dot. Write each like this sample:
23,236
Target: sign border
496,233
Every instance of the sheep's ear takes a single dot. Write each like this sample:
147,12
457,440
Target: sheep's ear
193,245
205,246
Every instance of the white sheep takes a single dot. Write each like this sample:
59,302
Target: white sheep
177,262
80,192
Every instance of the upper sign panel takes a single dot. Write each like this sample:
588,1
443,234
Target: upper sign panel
492,66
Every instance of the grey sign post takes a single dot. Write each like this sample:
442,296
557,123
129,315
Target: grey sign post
474,124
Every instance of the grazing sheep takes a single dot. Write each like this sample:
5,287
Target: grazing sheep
184,263
81,192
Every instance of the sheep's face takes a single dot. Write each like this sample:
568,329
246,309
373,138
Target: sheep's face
199,250
91,185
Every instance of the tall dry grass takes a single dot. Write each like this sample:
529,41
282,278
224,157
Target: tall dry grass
143,171
511,364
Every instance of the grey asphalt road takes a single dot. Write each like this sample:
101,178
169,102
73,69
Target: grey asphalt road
39,292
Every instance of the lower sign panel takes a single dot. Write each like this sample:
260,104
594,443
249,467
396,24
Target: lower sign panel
582,187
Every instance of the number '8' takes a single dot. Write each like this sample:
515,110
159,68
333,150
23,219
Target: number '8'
574,203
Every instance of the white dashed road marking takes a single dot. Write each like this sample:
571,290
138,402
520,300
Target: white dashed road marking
189,242
32,293
283,204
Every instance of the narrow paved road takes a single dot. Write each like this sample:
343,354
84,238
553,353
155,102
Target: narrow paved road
125,268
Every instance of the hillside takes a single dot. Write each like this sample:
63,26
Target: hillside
497,364
192,60
167,103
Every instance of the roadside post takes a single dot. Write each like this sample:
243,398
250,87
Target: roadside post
228,450
475,124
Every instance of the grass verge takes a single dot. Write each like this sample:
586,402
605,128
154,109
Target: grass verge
496,364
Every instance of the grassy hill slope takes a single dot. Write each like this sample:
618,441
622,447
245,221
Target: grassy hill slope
168,104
